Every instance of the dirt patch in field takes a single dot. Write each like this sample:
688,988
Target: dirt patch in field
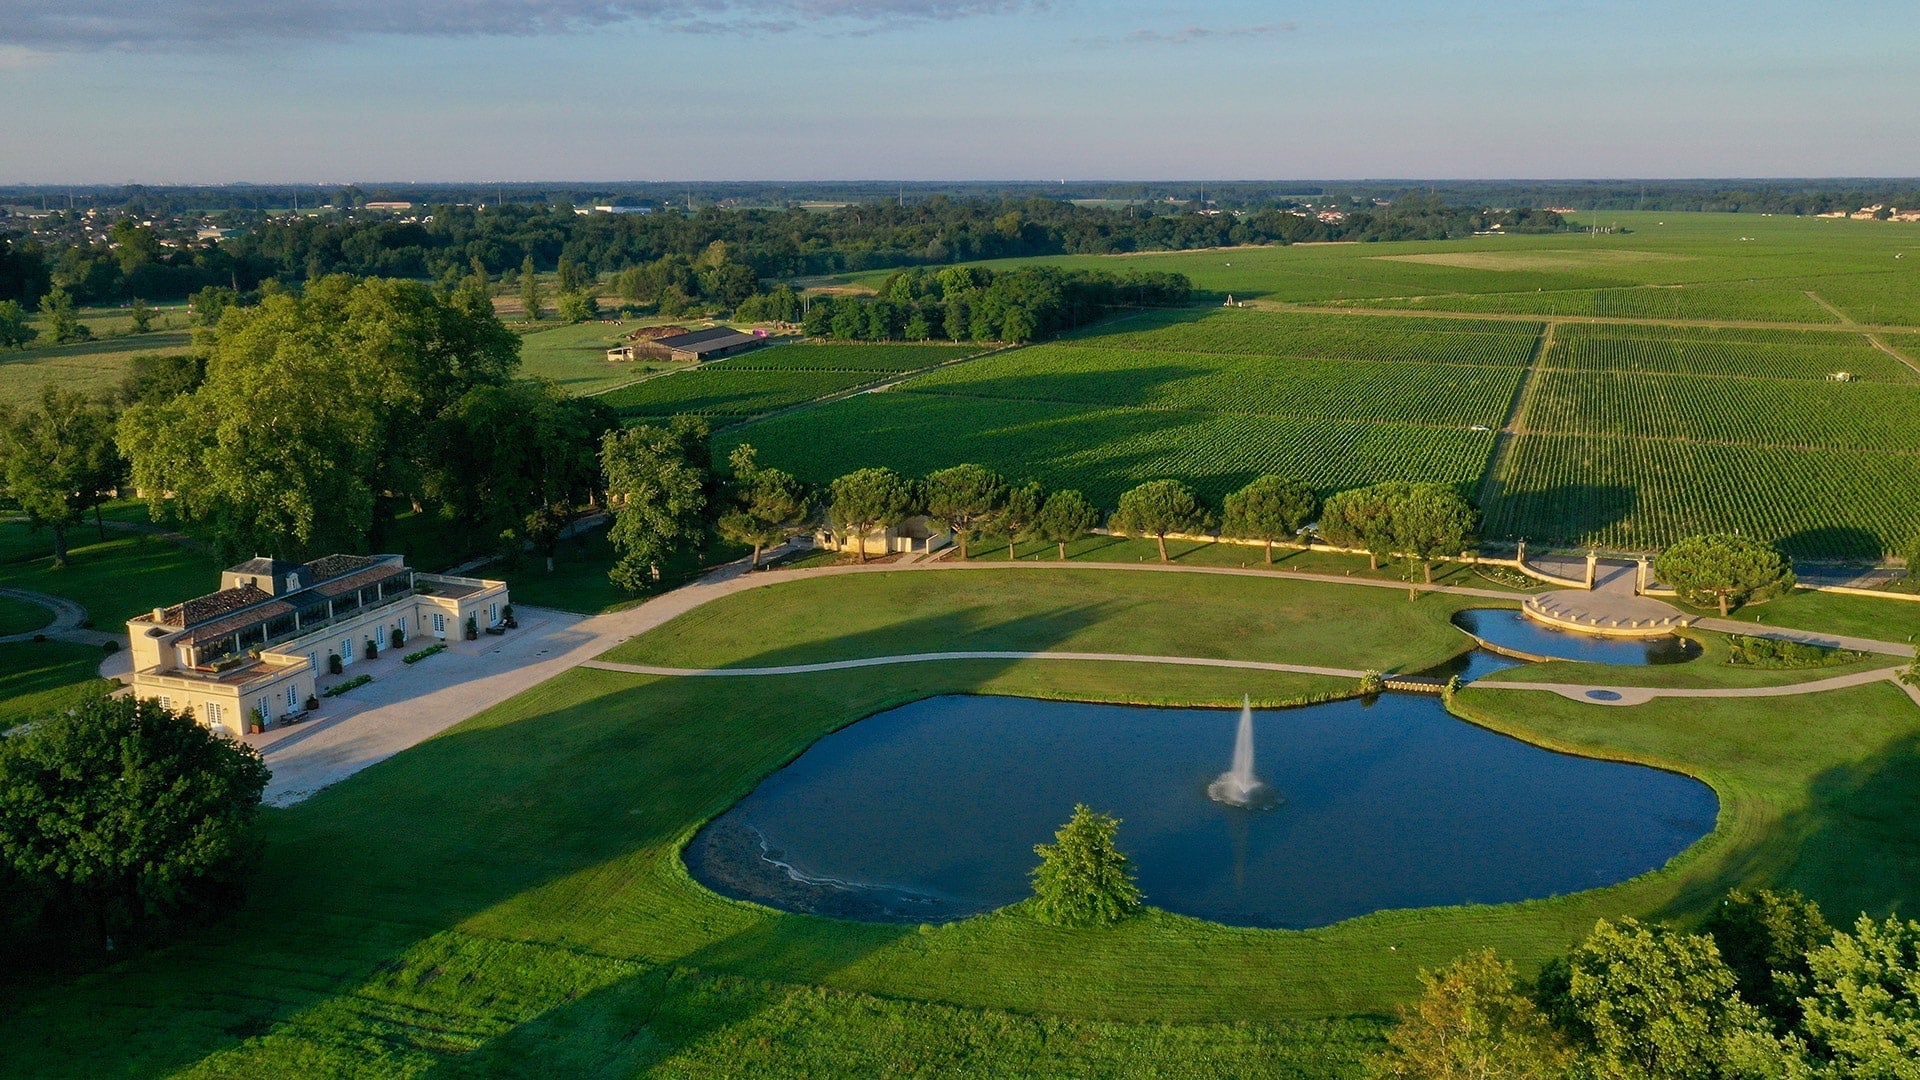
1536,260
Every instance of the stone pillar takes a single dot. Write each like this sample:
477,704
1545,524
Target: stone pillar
1593,568
1522,555
1640,581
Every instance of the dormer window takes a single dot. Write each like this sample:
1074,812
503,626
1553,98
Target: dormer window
293,582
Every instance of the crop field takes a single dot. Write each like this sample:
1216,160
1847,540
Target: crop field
773,378
1699,372
1353,337
1773,354
1335,400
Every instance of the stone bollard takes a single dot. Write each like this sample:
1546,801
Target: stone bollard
1593,568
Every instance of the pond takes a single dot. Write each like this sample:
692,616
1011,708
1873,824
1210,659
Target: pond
930,812
1509,629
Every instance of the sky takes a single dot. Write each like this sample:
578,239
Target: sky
333,91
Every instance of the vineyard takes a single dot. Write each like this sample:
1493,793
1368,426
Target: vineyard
1766,302
1104,451
1633,493
1351,337
1432,394
773,378
1760,412
1774,354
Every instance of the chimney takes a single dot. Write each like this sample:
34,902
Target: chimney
160,615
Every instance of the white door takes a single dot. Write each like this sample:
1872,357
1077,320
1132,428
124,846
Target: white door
440,625
346,652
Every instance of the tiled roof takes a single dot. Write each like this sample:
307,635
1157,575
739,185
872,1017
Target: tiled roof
220,628
720,337
334,565
212,605
342,586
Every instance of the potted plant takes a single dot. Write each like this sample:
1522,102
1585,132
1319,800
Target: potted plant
373,651
312,702
334,667
259,722
506,616
473,628
399,637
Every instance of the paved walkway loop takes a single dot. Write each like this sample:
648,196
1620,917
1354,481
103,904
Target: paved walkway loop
409,705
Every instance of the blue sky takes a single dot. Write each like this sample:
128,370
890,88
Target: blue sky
185,91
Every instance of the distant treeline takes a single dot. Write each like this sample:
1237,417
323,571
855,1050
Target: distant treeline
970,303
1749,195
455,242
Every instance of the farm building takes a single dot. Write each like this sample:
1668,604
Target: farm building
698,345
916,534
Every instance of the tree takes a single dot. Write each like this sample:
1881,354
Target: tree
1863,1001
1765,938
58,460
1270,509
656,483
1362,518
319,417
769,505
125,810
1472,1023
868,499
1157,508
1725,569
61,319
529,289
1430,519
965,498
1083,880
1657,1004
1066,516
578,307
156,377
142,313
1019,510
16,331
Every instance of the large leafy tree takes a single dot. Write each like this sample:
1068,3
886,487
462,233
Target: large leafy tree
1428,520
769,505
1083,878
1657,1004
657,485
506,452
1765,938
318,418
16,330
1362,518
1066,516
123,810
60,318
1019,510
869,499
1725,569
1271,509
965,498
1863,1005
1158,508
58,459
1472,1023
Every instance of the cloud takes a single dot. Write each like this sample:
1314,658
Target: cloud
1204,33
170,25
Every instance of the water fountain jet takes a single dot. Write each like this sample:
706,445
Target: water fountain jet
1238,786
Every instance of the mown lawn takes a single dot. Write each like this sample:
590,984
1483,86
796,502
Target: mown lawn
508,898
38,678
114,579
19,617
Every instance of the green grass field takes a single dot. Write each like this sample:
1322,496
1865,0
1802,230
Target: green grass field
548,925
114,579
575,356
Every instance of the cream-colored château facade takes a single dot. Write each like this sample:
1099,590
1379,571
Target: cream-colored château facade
260,647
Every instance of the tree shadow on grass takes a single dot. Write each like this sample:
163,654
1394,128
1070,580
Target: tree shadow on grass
546,821
1851,849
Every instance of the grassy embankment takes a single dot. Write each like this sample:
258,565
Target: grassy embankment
547,924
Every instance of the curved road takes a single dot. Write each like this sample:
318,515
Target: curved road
410,706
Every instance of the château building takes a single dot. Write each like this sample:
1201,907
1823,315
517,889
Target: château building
261,645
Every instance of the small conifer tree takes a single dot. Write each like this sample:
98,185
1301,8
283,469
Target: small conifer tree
1083,879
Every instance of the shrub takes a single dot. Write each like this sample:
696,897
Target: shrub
399,637
1083,879
416,657
110,645
312,703
340,688
373,651
1771,653
334,666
